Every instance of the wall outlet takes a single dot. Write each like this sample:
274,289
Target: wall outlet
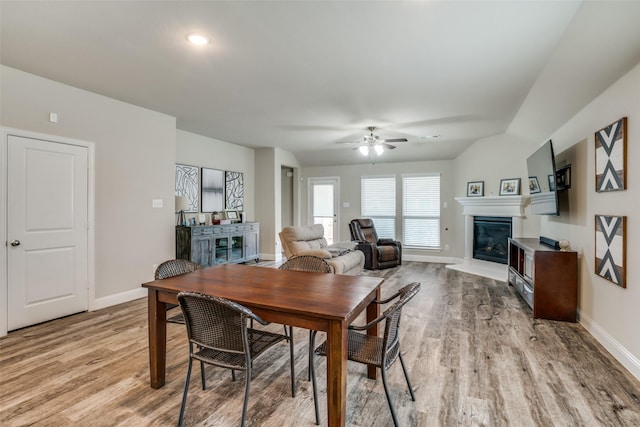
446,247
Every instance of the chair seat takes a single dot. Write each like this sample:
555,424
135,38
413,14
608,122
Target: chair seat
372,350
362,348
259,341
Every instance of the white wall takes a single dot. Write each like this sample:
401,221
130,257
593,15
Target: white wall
134,154
609,312
201,151
269,162
266,200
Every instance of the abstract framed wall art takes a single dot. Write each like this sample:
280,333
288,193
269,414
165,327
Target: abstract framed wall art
234,184
611,157
212,190
187,180
611,249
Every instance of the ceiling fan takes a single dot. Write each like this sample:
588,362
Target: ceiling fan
372,144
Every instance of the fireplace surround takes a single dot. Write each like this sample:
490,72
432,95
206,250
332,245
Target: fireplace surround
502,206
507,206
491,238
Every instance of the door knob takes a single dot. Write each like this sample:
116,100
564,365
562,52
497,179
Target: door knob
15,243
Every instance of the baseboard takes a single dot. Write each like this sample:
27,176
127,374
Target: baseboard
268,257
119,298
429,258
617,350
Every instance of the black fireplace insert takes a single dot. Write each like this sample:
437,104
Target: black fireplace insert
491,238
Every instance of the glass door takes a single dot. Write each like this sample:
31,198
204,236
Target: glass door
237,247
221,252
323,205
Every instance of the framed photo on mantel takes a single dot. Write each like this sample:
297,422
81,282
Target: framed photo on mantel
475,189
510,187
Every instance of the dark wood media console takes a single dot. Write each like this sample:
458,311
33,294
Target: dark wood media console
545,277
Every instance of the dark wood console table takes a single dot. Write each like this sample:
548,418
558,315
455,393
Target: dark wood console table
545,277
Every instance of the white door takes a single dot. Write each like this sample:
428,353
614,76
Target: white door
323,206
47,184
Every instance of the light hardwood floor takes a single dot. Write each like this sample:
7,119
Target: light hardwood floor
474,354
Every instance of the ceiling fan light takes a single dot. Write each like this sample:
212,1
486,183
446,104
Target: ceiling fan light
198,39
379,149
364,150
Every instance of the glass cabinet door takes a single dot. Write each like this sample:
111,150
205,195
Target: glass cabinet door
237,247
221,253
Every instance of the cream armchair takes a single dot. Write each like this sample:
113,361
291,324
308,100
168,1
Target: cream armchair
343,257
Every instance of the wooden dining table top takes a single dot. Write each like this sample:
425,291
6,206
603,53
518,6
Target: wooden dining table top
320,295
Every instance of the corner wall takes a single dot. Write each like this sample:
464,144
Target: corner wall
490,160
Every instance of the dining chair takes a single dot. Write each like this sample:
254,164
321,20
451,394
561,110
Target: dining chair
172,268
218,335
376,351
310,264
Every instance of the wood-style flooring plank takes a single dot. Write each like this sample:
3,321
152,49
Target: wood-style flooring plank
475,355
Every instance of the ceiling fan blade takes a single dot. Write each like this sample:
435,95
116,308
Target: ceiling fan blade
349,142
393,140
388,146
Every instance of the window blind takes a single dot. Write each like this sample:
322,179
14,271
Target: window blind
378,202
421,211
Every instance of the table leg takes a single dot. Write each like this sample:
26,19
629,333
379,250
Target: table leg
157,339
373,311
337,373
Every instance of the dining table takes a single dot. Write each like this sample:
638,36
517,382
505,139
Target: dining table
315,301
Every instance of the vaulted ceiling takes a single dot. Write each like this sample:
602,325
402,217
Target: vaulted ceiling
303,75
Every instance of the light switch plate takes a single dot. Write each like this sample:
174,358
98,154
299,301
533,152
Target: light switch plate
157,203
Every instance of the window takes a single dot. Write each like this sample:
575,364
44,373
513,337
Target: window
378,202
421,211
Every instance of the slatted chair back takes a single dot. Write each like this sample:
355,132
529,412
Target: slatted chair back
218,335
308,263
391,338
175,267
215,323
373,350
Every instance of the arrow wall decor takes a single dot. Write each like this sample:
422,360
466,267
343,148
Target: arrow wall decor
611,248
611,157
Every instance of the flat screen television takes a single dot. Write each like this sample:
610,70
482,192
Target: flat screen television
541,167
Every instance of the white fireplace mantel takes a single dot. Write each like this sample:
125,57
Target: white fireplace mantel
512,206
508,206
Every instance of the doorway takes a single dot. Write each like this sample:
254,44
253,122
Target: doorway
49,245
286,195
324,196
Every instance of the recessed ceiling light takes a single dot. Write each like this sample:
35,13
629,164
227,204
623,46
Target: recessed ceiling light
198,39
430,137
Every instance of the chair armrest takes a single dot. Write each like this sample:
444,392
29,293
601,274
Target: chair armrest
370,251
320,253
388,242
347,244
368,325
386,300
